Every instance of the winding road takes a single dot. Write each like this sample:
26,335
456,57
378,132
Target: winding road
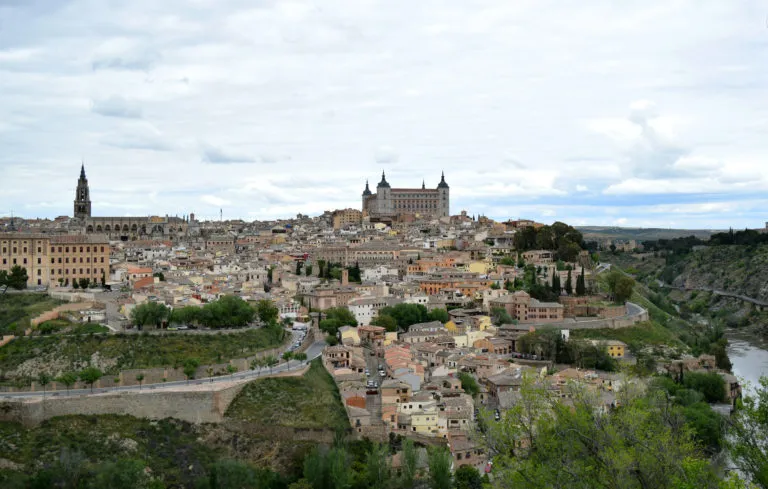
314,351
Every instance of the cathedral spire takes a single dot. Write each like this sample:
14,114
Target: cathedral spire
383,182
423,185
442,183
367,190
82,170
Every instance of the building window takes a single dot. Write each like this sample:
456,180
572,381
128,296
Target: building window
59,249
14,250
39,272
88,249
39,262
81,271
25,249
53,260
81,249
66,272
66,260
5,261
25,261
39,250
66,250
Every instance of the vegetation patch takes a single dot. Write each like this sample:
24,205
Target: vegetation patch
645,334
123,351
309,401
16,310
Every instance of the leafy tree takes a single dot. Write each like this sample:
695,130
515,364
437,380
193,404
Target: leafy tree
140,379
84,283
507,261
186,315
231,370
711,385
624,288
544,443
331,340
387,322
149,314
267,312
44,379
301,357
406,314
378,468
408,466
68,379
500,316
440,462
469,384
209,371
308,270
707,425
467,477
288,356
90,376
438,314
748,435
270,361
228,311
232,474
190,367
17,279
75,284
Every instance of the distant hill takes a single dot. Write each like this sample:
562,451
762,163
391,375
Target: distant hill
641,234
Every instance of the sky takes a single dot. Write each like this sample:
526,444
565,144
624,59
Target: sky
632,113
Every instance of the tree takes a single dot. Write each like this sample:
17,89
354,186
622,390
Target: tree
500,316
438,314
190,367
748,435
231,370
624,288
209,371
556,283
386,322
308,270
270,362
232,474
267,312
68,379
467,477
44,379
378,468
711,385
140,379
569,284
440,462
149,314
301,357
257,364
406,314
288,356
17,279
299,264
544,443
75,285
469,384
90,376
186,315
84,283
408,466
581,287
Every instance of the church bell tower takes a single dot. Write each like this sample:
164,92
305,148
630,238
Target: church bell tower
82,197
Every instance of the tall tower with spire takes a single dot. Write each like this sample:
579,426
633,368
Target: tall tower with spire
82,196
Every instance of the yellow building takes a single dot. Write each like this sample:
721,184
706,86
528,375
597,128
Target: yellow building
425,422
615,348
451,326
349,335
345,217
53,260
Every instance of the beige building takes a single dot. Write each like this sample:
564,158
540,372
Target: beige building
53,260
344,217
524,308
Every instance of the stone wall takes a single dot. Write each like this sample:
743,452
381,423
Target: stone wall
56,312
201,405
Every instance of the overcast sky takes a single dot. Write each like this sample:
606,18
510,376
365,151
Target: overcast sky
636,113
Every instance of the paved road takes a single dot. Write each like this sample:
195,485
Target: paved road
314,351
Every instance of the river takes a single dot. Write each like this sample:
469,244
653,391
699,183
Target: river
749,355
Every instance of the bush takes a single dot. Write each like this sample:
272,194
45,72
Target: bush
711,385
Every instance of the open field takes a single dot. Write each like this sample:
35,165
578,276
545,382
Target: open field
310,401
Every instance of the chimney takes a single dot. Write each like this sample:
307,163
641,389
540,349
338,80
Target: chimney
345,277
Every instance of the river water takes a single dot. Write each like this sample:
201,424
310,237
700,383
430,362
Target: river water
749,355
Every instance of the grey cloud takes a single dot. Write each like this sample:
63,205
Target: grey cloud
212,154
144,142
116,106
386,155
653,156
138,64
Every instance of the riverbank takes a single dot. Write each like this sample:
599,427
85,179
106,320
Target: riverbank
748,352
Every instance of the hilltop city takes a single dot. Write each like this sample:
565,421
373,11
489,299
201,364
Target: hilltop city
432,326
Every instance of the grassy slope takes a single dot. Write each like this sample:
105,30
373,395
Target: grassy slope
140,351
169,447
647,333
17,309
311,401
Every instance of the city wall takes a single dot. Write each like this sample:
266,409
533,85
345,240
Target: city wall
608,323
194,406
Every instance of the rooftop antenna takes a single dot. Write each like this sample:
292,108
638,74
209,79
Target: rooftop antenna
221,214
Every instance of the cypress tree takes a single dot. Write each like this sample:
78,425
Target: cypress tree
556,282
581,288
569,284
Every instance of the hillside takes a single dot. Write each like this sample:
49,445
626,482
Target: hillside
614,232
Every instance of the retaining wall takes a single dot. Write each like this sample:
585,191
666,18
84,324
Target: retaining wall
194,406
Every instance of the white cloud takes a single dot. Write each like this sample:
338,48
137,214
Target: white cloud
327,96
215,201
